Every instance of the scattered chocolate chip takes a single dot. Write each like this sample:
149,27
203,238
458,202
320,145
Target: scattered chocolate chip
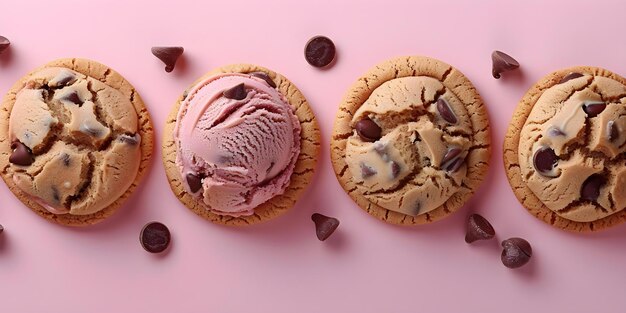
21,154
446,111
478,228
72,97
131,140
594,108
155,237
368,130
66,159
4,43
169,56
545,160
454,166
324,225
554,131
516,252
319,51
367,171
236,93
264,77
590,189
64,78
570,76
612,132
502,62
452,153
194,182
395,169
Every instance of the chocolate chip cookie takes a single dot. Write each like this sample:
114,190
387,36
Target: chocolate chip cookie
411,141
75,140
564,149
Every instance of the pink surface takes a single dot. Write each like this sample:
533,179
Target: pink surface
367,266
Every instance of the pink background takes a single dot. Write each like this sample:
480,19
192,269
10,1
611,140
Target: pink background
367,266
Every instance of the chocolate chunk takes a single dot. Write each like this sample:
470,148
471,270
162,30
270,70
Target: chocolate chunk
21,154
367,171
169,56
545,160
590,189
264,77
612,132
324,225
64,78
554,131
368,130
502,62
452,153
444,109
72,97
4,43
594,108
66,159
454,166
236,93
395,169
516,252
570,76
155,237
319,51
194,182
478,228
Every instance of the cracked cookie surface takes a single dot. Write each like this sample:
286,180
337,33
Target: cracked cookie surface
188,189
411,140
564,149
75,141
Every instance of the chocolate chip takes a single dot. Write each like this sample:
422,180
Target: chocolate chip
502,62
590,189
478,228
452,153
264,77
66,159
416,208
446,111
155,237
21,154
1,229
612,132
367,171
380,148
72,97
545,160
516,252
269,169
395,169
368,130
236,93
62,79
455,165
593,108
194,182
324,225
554,131
570,76
319,51
169,56
4,43
130,140
89,130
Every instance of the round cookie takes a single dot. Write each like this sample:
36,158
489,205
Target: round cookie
75,141
411,141
564,149
304,165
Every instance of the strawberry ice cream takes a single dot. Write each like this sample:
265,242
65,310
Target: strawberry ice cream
237,141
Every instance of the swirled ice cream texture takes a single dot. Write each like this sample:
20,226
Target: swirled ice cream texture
242,151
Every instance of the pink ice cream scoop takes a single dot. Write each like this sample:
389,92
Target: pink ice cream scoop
237,145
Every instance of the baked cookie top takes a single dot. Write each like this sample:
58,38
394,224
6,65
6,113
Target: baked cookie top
71,143
570,149
411,140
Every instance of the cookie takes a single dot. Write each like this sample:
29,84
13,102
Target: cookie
411,141
240,145
564,149
75,141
